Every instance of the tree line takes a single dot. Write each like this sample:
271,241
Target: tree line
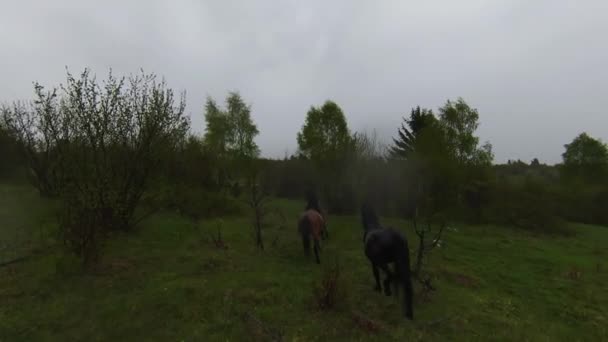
112,152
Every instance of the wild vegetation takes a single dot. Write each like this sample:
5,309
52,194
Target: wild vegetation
135,219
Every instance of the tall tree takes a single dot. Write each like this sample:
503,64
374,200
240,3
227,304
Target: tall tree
229,137
586,159
231,132
410,131
326,141
535,162
217,130
242,130
459,122
325,137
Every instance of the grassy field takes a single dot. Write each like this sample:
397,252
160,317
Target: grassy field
168,282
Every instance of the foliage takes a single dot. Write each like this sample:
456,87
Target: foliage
586,160
229,137
187,183
531,205
368,155
97,146
585,204
535,162
190,163
242,130
192,201
326,141
436,176
407,139
230,132
288,178
367,147
459,122
32,125
217,129
446,158
325,138
10,160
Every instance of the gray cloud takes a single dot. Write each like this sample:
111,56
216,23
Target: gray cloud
535,70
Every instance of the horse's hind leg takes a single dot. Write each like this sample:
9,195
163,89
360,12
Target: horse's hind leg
377,277
325,233
387,280
306,244
304,229
316,249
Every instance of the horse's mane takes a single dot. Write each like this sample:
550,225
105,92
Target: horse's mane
312,202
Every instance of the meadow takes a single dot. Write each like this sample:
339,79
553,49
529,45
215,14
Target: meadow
169,281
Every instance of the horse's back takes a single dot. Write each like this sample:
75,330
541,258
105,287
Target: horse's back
384,244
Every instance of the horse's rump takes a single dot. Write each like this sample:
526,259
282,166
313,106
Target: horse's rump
313,221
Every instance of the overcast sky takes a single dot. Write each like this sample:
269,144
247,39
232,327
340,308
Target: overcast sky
536,70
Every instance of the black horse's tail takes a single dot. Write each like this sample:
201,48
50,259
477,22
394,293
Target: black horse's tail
404,273
304,228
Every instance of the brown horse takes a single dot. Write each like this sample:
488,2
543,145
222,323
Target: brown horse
312,202
311,223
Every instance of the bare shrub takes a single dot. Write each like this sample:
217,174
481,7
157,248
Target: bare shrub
331,290
217,239
429,237
256,199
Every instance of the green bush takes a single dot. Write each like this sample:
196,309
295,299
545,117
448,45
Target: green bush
584,204
194,202
530,206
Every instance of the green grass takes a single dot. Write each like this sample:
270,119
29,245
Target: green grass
25,220
167,282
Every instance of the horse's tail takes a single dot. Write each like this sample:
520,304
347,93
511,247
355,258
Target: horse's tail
325,232
404,273
304,228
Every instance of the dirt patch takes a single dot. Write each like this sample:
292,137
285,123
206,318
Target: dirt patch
211,264
117,265
465,280
365,323
260,330
574,273
462,279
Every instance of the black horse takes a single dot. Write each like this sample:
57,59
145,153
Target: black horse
384,246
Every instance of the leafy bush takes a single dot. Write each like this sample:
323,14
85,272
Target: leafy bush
530,206
584,204
96,147
10,160
195,202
